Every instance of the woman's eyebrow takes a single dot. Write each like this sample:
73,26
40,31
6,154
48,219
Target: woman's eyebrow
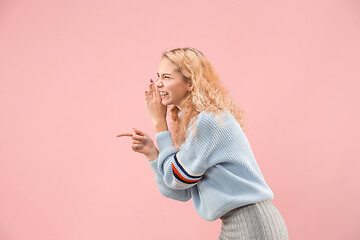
163,74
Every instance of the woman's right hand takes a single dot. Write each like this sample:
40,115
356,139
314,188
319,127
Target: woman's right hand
142,143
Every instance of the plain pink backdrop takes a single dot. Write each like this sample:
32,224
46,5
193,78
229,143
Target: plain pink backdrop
73,75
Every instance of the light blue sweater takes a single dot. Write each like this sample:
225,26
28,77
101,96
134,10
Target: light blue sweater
217,169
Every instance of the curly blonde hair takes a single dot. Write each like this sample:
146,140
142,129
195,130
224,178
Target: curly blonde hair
206,94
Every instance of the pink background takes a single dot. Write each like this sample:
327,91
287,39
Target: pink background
73,75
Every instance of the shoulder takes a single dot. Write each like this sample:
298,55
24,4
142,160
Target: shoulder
216,120
214,127
206,119
209,116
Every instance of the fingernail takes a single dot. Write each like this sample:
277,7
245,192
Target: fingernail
145,138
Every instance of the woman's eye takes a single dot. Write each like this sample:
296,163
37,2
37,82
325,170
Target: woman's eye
164,77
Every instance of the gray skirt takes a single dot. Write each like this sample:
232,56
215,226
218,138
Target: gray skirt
257,221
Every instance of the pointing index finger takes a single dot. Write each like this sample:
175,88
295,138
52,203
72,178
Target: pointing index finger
124,134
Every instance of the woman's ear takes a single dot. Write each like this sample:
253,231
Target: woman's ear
189,88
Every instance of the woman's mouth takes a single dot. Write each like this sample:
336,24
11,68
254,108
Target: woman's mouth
164,94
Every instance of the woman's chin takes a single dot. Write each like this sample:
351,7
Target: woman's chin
164,102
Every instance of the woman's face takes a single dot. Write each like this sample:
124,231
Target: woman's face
171,81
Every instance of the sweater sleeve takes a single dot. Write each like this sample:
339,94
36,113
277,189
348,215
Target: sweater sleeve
180,195
182,169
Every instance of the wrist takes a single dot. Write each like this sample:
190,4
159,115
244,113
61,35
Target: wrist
153,155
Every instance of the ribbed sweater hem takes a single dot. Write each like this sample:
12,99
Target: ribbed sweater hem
238,202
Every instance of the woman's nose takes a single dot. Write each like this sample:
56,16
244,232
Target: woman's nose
158,83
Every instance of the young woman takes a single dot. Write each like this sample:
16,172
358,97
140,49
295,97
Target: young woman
209,159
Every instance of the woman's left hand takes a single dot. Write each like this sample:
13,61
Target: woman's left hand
156,110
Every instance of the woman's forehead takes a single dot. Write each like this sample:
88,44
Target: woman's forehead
168,69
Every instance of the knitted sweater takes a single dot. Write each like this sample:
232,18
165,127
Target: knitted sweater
216,168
